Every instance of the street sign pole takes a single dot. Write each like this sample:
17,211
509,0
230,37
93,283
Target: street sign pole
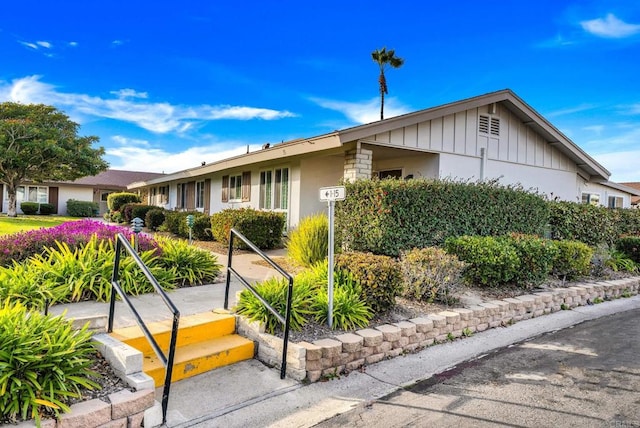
330,268
331,195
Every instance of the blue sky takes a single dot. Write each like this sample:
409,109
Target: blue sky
167,85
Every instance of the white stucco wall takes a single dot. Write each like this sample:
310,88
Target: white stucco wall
77,193
604,192
316,173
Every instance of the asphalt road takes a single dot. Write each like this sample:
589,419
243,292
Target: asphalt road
584,376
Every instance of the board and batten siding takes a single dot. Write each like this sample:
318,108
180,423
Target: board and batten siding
458,134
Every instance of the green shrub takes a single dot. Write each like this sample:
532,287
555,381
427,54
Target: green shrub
350,310
176,223
619,261
47,209
154,219
29,208
127,212
263,228
190,265
586,223
202,227
389,216
430,274
491,261
172,221
572,260
43,362
379,277
630,246
536,258
627,221
19,283
274,291
140,211
308,243
116,200
82,208
84,273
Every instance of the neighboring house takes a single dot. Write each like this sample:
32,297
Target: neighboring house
492,136
635,200
94,188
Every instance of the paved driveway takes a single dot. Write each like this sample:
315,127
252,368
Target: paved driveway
585,376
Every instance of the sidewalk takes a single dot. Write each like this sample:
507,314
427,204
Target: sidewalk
252,394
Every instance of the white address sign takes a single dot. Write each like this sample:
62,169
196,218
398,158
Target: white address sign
335,193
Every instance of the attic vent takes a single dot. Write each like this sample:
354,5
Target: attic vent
495,126
483,124
489,125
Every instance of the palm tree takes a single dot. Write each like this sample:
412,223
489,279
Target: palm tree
385,57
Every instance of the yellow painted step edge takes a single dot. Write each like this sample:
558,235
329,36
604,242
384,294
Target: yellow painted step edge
192,329
200,358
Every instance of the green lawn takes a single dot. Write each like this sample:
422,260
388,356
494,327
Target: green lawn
10,225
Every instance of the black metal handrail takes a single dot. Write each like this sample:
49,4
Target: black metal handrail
167,360
283,320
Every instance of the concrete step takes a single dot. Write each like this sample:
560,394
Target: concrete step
205,342
192,329
200,357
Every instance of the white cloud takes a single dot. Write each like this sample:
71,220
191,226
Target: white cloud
129,93
73,44
623,165
159,117
117,42
364,112
44,44
610,27
139,155
570,110
29,45
597,129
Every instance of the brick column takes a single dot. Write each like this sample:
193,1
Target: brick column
357,164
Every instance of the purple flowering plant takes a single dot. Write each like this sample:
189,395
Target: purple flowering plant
22,245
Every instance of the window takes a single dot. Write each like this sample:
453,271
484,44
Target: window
489,125
38,194
390,173
182,195
236,188
274,189
614,202
200,194
591,198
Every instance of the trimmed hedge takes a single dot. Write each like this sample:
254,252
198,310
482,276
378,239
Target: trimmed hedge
29,208
573,259
590,224
133,210
154,218
379,276
176,223
46,209
536,258
117,200
263,228
492,261
388,216
82,208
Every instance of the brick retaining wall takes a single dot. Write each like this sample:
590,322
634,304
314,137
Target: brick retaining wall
349,351
125,410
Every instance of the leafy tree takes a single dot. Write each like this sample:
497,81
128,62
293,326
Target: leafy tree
383,58
38,143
